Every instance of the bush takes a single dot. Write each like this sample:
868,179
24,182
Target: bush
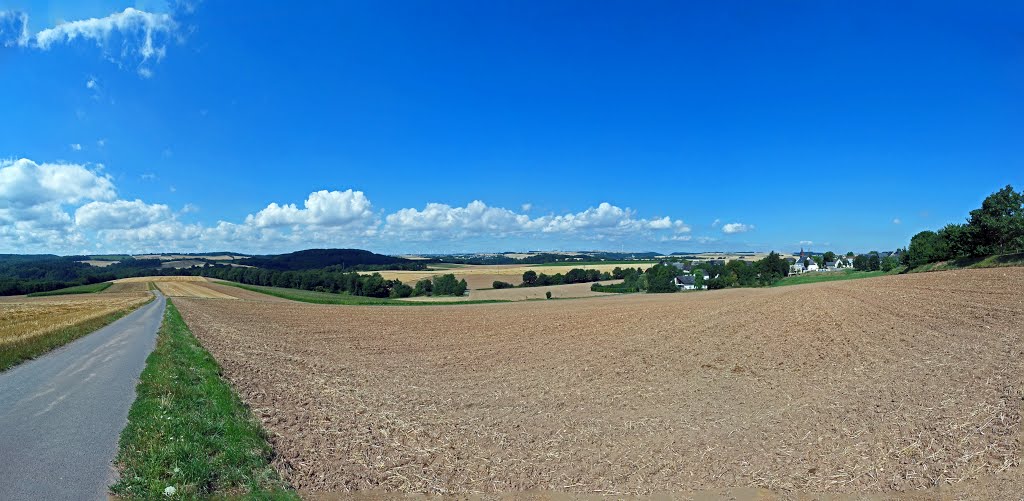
547,294
498,284
447,285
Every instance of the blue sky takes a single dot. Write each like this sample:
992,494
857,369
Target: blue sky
415,127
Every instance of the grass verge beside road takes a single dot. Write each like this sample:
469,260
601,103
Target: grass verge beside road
188,433
347,299
78,289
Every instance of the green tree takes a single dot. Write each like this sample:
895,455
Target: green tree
698,279
447,285
874,262
998,226
423,287
926,247
829,256
889,263
660,278
529,278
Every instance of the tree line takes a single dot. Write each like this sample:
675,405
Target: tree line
997,227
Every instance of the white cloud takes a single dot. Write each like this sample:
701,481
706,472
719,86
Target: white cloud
479,219
68,207
120,214
715,223
131,36
13,29
24,183
436,219
91,83
322,208
731,228
526,207
101,142
75,146
806,242
896,221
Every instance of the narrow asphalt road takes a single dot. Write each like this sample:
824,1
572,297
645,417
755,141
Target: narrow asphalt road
61,414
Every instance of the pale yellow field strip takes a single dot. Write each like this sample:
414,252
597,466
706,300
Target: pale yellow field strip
186,278
190,289
32,317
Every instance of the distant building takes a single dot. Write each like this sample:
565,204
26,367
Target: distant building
687,282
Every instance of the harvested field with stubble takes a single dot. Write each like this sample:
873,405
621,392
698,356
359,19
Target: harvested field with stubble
191,289
881,385
31,326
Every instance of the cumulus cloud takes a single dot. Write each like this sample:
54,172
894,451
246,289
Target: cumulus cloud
120,214
75,146
33,198
24,183
131,36
526,207
68,207
479,219
322,208
731,228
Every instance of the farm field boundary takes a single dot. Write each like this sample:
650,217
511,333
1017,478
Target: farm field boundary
188,434
344,299
78,289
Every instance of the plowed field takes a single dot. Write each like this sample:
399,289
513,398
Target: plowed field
879,385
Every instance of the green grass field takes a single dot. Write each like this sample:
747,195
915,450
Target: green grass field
188,430
831,276
78,289
346,299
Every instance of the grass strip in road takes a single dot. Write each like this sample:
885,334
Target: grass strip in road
346,299
15,352
78,289
188,432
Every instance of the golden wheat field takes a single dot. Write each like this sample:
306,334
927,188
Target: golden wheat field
191,289
483,276
26,318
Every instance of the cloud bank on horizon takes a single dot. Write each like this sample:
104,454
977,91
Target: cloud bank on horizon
72,208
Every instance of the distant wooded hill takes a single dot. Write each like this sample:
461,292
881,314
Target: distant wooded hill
349,259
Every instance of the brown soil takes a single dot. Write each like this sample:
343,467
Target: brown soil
882,386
